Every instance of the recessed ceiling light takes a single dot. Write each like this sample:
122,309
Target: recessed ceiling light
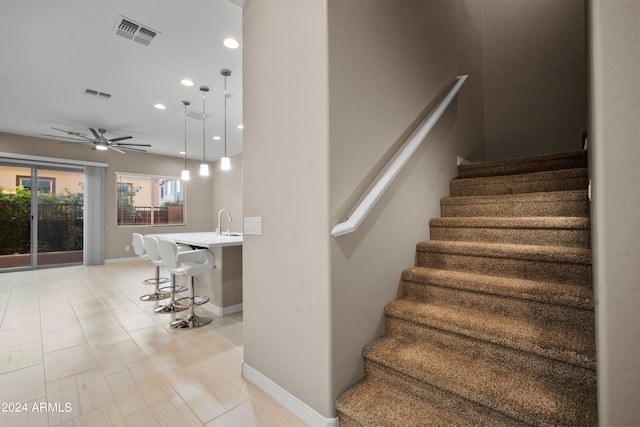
182,153
217,138
240,126
160,106
231,43
187,82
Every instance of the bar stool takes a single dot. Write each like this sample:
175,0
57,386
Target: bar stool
140,250
153,253
190,264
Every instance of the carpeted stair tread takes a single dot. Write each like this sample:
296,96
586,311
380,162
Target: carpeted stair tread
559,254
575,296
516,393
543,222
554,231
495,323
567,346
556,180
373,404
556,203
566,160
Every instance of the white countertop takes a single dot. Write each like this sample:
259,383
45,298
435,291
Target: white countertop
207,239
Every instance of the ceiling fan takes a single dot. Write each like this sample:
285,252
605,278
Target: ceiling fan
100,141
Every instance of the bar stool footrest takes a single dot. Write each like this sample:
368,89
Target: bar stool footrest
153,281
197,300
156,296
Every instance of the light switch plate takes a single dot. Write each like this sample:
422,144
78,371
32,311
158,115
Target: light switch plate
253,225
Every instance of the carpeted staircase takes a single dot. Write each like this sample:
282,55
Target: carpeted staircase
495,326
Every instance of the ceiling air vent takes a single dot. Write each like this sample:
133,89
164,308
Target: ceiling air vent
96,94
132,30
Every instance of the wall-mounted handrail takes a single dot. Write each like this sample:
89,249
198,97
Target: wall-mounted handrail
399,160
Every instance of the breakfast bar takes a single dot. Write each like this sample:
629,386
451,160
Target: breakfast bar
223,284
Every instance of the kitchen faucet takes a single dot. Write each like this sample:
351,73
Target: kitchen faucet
228,223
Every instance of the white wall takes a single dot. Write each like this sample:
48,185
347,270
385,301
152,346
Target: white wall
615,168
535,89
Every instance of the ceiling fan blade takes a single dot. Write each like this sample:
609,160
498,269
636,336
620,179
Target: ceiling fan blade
115,149
95,134
132,144
66,137
119,138
69,132
131,149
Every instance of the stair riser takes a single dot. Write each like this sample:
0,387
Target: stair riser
574,160
567,318
520,184
465,409
516,209
578,274
551,237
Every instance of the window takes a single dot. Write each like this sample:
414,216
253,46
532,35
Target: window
149,200
45,185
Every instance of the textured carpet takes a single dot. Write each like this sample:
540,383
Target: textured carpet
495,325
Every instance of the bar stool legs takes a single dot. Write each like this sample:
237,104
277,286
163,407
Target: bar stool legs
191,320
171,306
158,293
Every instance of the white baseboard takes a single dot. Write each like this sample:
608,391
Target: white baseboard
223,311
114,260
300,409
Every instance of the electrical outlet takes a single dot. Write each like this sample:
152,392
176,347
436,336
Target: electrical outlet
126,248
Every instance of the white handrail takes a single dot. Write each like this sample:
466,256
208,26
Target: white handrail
404,153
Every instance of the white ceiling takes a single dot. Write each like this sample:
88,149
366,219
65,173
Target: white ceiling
51,50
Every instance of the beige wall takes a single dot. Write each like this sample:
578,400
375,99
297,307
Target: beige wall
199,201
287,310
614,166
535,86
227,193
388,62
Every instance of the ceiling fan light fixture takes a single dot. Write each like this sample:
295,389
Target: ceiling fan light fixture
102,147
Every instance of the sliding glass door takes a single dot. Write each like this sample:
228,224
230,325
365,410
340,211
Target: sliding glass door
41,216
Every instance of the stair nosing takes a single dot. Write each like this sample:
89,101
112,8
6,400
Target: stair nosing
533,222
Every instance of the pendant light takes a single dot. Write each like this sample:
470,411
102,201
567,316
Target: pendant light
204,167
225,162
185,171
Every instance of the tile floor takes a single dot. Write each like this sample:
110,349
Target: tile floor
78,348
